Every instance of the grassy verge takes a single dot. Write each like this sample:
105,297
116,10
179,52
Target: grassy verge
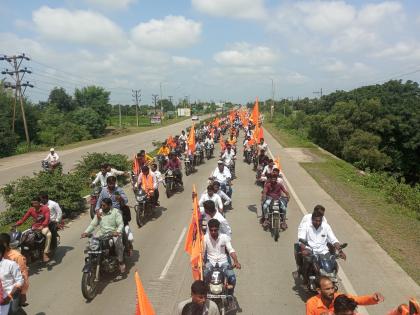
394,227
287,138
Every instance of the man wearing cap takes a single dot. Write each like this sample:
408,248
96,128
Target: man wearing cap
52,158
222,175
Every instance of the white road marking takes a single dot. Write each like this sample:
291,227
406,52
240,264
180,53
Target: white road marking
341,274
171,258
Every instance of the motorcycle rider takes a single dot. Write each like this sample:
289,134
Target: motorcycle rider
19,297
141,159
109,220
225,198
222,175
56,214
52,158
263,159
229,156
11,281
148,183
183,137
323,303
262,145
175,165
158,175
114,172
317,234
211,212
343,305
307,218
115,193
41,218
210,195
268,169
273,190
101,176
198,304
215,247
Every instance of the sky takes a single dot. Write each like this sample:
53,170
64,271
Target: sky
211,50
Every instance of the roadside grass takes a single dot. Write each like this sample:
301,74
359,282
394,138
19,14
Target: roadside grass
394,227
287,138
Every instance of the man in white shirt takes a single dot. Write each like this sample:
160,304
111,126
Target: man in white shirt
11,280
268,169
183,136
158,175
262,145
215,247
210,195
56,214
225,198
101,176
222,175
52,157
114,171
211,213
317,235
229,156
307,218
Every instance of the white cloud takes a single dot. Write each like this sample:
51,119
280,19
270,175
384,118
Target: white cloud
244,9
184,61
375,13
112,4
85,27
296,78
335,66
171,32
244,54
400,51
354,39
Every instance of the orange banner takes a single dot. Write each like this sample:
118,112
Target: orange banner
191,139
143,307
255,116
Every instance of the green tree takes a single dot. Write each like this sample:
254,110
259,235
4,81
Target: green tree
61,99
94,97
90,120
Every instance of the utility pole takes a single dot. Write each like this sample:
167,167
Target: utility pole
272,100
137,98
119,112
318,92
155,98
17,74
161,100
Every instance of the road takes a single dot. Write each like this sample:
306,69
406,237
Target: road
265,283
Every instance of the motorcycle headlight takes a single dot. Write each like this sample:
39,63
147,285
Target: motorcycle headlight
216,288
140,198
330,275
94,244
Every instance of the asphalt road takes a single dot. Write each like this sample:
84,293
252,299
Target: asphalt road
265,284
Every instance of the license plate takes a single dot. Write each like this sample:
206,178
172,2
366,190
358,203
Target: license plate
213,296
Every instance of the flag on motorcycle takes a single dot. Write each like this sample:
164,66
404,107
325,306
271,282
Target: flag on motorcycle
171,142
194,240
255,116
191,139
222,143
143,306
277,163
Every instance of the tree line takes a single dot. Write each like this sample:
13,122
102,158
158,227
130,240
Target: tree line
374,127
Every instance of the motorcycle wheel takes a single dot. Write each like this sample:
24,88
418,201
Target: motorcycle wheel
187,170
89,285
169,189
92,211
276,227
139,216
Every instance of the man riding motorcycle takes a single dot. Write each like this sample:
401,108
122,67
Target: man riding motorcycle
41,218
101,176
229,157
56,215
210,195
175,165
109,220
52,159
263,159
211,212
140,160
148,183
268,169
317,234
272,191
215,247
222,175
225,198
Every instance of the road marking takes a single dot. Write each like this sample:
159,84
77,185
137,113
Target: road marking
341,274
171,258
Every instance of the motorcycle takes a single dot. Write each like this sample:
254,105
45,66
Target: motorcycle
248,155
231,167
50,167
161,162
200,156
171,183
94,195
209,151
31,243
188,164
144,207
321,264
101,260
276,216
218,289
255,160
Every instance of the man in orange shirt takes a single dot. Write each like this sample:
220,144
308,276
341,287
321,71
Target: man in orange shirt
323,303
19,298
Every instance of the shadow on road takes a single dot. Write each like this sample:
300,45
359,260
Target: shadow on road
59,254
157,212
253,208
300,288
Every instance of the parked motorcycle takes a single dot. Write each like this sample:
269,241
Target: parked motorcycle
94,195
144,207
31,243
218,289
101,260
321,264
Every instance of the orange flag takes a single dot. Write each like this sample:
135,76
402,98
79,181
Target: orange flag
143,307
255,116
194,241
216,122
191,139
260,134
222,143
171,142
277,163
136,166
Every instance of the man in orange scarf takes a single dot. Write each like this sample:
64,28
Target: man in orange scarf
148,183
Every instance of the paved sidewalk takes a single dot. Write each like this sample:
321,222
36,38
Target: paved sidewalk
368,267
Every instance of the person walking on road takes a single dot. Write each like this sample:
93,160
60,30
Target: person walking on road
198,304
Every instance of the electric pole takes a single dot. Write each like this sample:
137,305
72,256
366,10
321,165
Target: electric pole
119,112
318,92
17,74
161,100
155,98
137,98
272,100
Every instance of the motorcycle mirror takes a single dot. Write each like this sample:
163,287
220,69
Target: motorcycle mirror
301,240
343,245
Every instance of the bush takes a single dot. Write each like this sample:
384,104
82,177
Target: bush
90,120
91,164
63,188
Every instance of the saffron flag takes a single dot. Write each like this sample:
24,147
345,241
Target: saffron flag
277,163
255,116
143,307
191,139
194,240
171,142
216,122
222,143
